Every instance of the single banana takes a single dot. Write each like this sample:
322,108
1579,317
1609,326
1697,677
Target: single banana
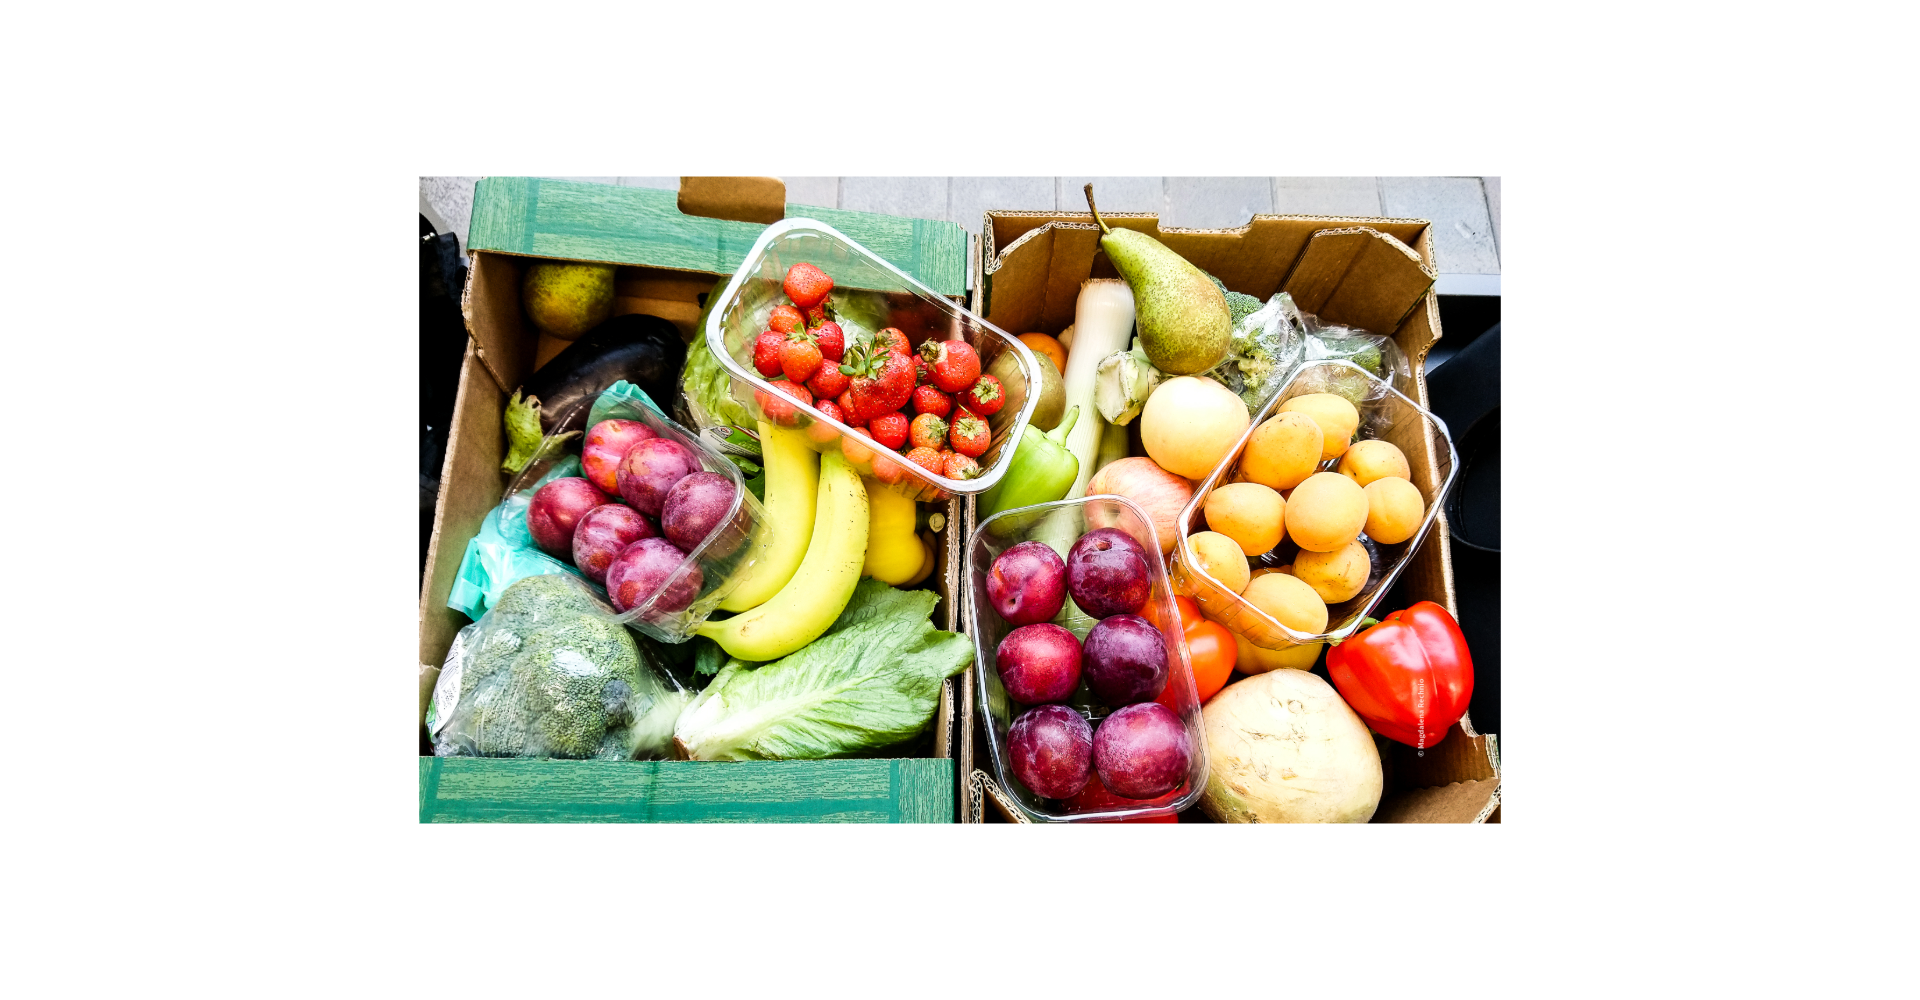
894,552
793,490
822,586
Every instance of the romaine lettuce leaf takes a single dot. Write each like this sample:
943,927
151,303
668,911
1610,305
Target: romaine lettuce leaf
871,681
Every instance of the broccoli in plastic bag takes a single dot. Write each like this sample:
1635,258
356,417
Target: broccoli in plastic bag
1265,348
549,672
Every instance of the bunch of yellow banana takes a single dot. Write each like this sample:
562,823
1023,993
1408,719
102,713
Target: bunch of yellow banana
834,528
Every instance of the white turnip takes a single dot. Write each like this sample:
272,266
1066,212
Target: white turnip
1283,748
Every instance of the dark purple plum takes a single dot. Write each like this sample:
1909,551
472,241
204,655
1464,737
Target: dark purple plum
603,534
650,469
1028,583
643,568
1050,749
1038,663
1125,660
1107,573
694,507
556,509
1142,751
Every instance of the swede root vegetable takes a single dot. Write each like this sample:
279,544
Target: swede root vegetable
1283,747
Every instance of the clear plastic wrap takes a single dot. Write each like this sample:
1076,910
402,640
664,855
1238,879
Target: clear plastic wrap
550,671
1056,523
1386,414
868,293
710,570
1270,345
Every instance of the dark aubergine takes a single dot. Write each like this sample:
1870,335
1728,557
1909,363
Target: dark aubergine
645,350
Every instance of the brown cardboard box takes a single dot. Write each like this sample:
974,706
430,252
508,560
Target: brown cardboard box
504,349
1376,274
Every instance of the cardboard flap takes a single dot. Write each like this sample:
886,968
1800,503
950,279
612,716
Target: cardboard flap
491,306
1359,276
1462,802
1458,757
738,199
979,787
568,220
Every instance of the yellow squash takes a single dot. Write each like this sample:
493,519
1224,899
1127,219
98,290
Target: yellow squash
894,552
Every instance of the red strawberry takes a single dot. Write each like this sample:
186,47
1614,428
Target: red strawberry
926,458
828,407
957,466
832,341
799,356
955,365
894,341
882,381
785,319
889,429
852,418
927,399
969,434
922,375
806,285
828,382
766,353
986,397
927,431
817,315
778,410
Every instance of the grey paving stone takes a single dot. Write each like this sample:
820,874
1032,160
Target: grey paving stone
1112,194
1215,202
666,183
452,200
910,197
1457,206
1326,195
968,198
821,191
1491,185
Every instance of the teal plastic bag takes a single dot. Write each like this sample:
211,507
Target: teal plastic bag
503,551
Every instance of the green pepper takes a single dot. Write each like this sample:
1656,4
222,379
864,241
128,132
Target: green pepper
1042,470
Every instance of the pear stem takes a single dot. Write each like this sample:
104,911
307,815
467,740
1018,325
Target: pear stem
1096,211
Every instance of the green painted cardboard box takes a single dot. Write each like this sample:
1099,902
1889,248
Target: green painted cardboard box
669,259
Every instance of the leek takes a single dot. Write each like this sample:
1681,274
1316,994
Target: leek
1103,324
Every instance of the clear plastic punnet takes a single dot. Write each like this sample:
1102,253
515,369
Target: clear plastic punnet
869,294
711,569
1385,414
1060,524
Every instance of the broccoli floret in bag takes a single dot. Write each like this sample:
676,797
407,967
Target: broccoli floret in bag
1263,350
546,673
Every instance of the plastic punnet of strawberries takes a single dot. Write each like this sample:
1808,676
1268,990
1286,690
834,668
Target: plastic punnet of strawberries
930,406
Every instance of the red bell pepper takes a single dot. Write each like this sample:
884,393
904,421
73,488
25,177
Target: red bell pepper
1409,676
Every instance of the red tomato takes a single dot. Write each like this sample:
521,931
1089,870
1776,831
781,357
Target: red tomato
1189,612
1211,649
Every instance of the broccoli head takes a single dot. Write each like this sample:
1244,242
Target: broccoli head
548,675
1239,306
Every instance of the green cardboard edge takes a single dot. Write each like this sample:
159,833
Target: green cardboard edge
539,217
496,790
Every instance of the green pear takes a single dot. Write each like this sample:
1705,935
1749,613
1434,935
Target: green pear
1180,314
567,300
